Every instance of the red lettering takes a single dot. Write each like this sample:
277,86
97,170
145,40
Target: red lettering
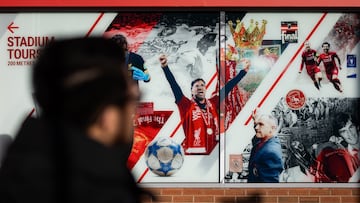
38,51
17,41
10,41
10,53
23,53
23,42
32,53
29,41
17,53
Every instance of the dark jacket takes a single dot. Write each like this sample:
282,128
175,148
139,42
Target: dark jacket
48,163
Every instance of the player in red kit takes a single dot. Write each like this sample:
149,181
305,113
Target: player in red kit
331,68
199,114
309,60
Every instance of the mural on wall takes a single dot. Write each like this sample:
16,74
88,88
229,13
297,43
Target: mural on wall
202,75
247,41
189,112
314,100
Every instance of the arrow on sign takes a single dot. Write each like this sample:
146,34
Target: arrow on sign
11,27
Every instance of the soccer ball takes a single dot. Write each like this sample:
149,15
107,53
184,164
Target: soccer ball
164,157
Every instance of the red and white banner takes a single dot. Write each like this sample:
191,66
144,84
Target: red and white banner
184,3
193,41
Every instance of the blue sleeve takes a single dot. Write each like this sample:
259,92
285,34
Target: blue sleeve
231,84
173,84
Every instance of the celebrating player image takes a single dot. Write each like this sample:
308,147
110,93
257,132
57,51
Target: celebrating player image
199,114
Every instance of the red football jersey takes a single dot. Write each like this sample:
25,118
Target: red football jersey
328,60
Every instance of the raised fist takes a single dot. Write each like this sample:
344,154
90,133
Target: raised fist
163,60
245,64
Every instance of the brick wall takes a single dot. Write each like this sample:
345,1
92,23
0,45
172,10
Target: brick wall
257,195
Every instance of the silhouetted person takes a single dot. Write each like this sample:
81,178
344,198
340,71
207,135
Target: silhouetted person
5,141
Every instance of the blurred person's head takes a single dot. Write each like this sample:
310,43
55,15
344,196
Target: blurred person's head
81,82
121,41
346,126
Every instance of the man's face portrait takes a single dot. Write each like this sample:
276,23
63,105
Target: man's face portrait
349,133
263,127
326,48
198,90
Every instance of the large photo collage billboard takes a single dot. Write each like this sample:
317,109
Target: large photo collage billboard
228,97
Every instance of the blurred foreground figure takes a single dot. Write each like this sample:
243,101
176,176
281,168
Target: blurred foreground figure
77,150
5,141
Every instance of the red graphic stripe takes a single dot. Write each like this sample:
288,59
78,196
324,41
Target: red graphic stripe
211,80
31,113
176,129
143,175
287,66
94,25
